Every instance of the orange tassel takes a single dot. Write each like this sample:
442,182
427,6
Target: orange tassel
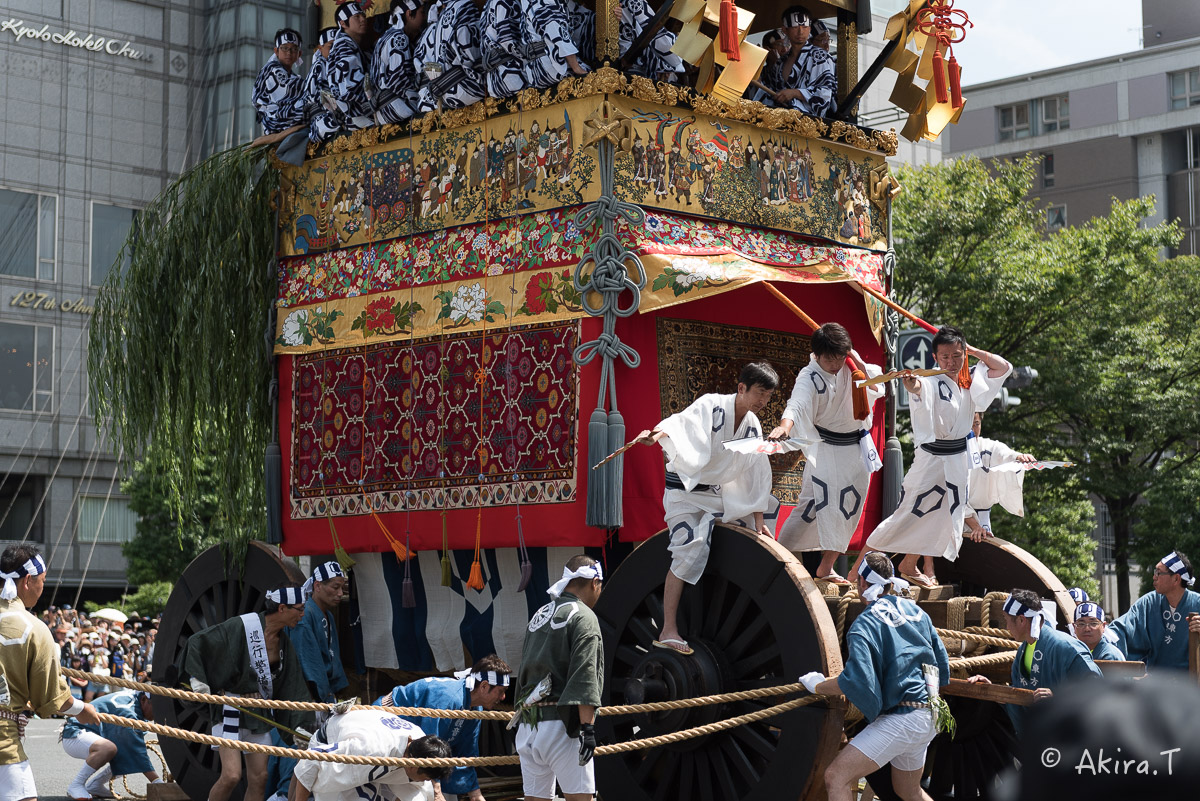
939,77
729,31
862,408
475,579
964,375
955,83
397,546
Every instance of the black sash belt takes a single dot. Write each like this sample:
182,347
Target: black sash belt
839,437
945,447
675,482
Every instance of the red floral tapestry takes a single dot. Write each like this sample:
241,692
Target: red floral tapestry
442,422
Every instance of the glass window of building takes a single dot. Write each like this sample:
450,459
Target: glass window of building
1014,121
103,518
1047,170
1056,114
19,497
28,232
26,366
110,228
1185,89
1056,217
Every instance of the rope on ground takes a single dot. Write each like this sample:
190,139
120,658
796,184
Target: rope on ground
403,762
424,712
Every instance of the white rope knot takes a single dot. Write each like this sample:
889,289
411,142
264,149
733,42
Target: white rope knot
32,567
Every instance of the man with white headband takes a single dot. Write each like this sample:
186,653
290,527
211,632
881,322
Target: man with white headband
393,73
895,667
315,636
278,92
1154,630
559,685
250,655
1088,627
804,79
349,66
706,483
1046,658
109,750
482,687
29,676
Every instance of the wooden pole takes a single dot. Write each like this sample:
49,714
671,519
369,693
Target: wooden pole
998,693
1193,651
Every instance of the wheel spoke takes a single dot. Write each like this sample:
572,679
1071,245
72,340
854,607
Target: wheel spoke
754,630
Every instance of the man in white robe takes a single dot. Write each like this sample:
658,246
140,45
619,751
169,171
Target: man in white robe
840,460
707,483
989,487
933,499
374,733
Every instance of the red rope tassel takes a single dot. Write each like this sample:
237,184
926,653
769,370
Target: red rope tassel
955,82
729,31
475,580
939,77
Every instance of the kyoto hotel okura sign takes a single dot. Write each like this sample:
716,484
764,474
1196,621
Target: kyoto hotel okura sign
90,42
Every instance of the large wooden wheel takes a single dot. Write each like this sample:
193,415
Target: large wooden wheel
755,619
212,589
997,565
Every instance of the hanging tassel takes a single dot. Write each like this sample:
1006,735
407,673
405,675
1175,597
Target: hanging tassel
398,548
475,579
955,82
862,407
598,480
729,32
964,375
616,470
939,77
408,596
339,553
522,554
445,553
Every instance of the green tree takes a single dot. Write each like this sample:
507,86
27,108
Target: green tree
1108,324
1169,518
170,534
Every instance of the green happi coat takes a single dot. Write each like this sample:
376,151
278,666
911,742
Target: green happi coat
563,640
218,656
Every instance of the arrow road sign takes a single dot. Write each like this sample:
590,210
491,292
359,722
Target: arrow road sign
916,353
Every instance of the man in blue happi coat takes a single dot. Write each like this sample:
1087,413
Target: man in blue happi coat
895,667
1088,627
483,686
109,750
1046,658
278,95
1153,630
315,636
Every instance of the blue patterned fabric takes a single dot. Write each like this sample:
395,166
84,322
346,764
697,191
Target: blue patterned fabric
278,97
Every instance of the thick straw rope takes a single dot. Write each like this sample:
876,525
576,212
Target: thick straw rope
404,762
1004,657
423,712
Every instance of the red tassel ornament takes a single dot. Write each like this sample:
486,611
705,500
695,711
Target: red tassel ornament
955,82
939,77
729,31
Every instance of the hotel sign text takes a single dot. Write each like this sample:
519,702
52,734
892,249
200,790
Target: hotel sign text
90,42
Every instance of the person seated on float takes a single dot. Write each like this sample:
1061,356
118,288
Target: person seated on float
1088,627
526,44
315,637
841,457
1154,629
933,507
655,61
109,750
482,687
1046,658
393,73
349,90
449,55
989,487
895,667
250,655
278,95
708,483
370,733
804,79
316,82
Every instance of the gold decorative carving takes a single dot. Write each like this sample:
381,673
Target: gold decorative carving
608,122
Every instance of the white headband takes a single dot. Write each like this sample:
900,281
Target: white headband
490,676
1078,595
323,572
1173,563
32,567
796,19
291,596
587,572
1089,609
1017,609
877,582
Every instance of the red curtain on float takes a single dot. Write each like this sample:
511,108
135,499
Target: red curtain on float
641,392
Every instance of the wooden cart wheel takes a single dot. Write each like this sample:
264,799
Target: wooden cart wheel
755,619
998,565
212,589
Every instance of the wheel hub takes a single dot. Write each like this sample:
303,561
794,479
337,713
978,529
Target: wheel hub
664,675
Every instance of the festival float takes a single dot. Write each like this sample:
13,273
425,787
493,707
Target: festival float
473,310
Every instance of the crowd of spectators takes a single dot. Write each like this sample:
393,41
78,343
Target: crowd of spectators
101,646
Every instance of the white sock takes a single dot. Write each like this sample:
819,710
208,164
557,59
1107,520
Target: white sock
79,783
99,780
